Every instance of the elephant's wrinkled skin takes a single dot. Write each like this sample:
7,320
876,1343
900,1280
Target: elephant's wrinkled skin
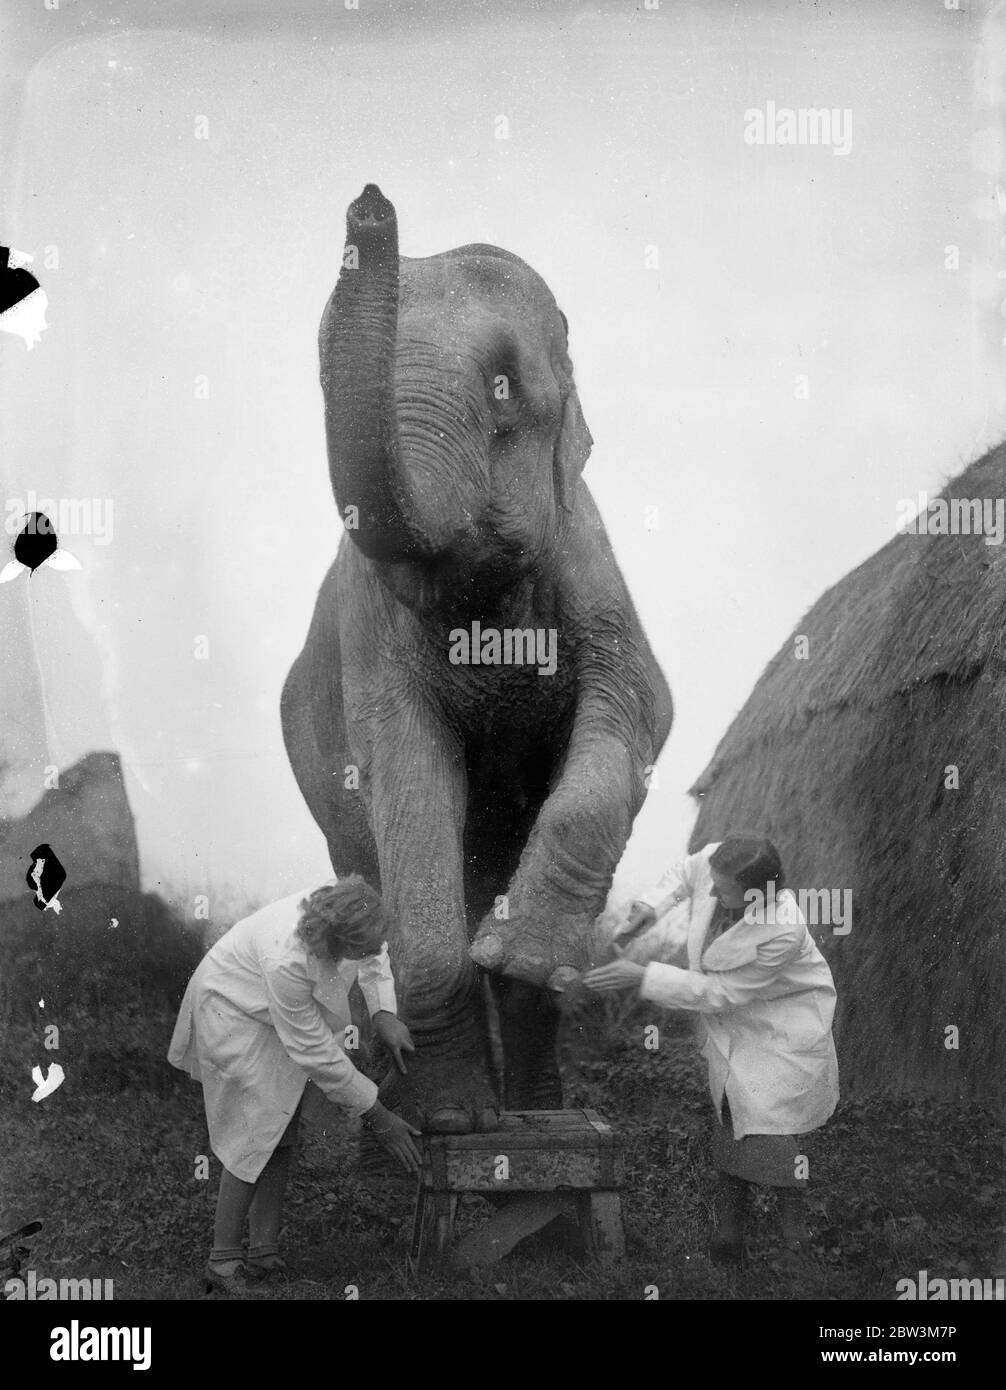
454,429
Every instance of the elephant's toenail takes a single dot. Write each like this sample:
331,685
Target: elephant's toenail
562,978
488,952
449,1119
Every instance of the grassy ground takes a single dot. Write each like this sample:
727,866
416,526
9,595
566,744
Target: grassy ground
899,1186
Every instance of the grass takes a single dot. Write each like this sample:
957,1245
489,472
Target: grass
899,1185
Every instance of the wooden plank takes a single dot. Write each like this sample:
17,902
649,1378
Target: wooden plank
601,1224
438,1164
509,1141
544,1151
528,1128
551,1121
513,1223
548,1119
611,1166
535,1170
445,1207
418,1230
599,1125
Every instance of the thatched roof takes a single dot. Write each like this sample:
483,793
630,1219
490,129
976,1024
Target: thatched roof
841,758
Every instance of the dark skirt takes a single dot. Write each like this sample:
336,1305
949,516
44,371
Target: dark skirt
768,1159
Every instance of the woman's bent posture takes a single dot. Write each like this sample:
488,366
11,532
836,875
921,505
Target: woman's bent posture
266,1011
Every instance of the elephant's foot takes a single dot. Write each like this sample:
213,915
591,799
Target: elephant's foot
551,955
438,1096
443,1095
528,1024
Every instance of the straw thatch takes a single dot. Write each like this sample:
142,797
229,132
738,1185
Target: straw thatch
842,760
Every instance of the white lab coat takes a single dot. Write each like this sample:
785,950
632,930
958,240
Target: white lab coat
259,1018
765,1000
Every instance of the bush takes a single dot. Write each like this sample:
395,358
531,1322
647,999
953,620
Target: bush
113,991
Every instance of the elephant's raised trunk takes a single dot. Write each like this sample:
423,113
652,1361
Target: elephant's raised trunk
357,351
406,437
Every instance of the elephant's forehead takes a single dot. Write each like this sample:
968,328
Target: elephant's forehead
484,274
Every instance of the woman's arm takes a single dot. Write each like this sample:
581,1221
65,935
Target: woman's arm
676,885
716,992
680,894
309,1040
650,939
377,983
650,906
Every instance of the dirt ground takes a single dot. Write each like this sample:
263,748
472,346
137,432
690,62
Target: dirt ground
898,1185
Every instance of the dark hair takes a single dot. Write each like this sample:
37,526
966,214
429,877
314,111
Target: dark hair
751,861
342,917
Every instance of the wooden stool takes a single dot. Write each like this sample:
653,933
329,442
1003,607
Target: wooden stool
566,1162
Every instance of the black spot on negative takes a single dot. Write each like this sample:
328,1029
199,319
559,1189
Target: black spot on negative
45,877
36,541
16,283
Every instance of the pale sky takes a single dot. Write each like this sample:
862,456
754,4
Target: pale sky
182,258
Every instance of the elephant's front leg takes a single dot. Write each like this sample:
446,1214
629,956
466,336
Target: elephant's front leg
528,1021
418,805
566,868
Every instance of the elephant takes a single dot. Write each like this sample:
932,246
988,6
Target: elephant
486,790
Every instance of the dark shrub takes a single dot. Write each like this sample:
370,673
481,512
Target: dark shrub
113,991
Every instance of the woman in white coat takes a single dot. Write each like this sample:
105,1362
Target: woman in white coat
765,1000
267,1010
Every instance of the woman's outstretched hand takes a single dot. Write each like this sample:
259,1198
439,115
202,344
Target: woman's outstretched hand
641,917
395,1036
394,1135
617,974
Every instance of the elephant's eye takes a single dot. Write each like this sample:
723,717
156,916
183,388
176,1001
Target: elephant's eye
504,391
504,382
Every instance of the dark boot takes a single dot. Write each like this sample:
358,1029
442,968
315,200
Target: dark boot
793,1219
726,1245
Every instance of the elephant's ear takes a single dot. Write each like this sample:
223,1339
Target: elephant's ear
572,449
